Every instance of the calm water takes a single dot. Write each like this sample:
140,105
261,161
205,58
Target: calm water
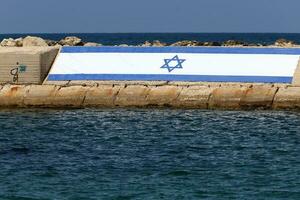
149,154
138,38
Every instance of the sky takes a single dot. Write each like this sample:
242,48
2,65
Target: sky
123,16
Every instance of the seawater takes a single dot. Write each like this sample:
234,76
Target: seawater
139,38
149,154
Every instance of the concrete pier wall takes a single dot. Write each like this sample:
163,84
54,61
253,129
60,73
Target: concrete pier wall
202,96
28,90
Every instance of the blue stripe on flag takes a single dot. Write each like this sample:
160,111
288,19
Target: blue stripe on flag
162,77
214,50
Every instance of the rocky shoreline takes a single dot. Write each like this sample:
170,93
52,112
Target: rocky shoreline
75,41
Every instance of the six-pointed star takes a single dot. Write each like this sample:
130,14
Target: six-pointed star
168,63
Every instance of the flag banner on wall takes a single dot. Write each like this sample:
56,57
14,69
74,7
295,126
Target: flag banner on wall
208,64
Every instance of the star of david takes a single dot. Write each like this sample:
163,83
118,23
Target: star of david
170,65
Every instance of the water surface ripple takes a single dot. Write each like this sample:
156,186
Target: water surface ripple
149,154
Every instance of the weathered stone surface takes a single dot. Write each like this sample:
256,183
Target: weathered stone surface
10,42
227,97
163,95
287,98
194,97
101,96
284,43
146,44
211,44
92,44
234,43
60,83
34,41
71,41
19,42
72,96
13,95
51,42
258,97
132,95
40,95
187,43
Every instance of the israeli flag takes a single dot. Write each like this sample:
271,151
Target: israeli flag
209,64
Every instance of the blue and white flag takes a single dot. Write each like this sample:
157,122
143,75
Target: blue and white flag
209,64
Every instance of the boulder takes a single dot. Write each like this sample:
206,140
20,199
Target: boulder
211,44
51,42
34,41
71,41
157,43
92,44
146,44
234,43
284,43
19,42
10,42
187,43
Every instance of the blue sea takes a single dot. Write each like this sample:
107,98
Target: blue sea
139,38
149,154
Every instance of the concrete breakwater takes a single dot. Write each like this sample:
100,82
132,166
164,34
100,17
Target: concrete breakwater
179,77
152,94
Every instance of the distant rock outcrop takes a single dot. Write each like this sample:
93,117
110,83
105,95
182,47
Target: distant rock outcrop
234,43
284,43
71,41
187,43
10,42
155,43
76,41
34,41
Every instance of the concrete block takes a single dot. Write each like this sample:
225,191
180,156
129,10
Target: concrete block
72,96
101,96
296,77
13,95
132,95
260,96
194,97
227,97
163,95
41,95
23,65
287,98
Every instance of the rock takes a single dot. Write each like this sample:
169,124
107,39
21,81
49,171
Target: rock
19,42
8,43
157,43
211,44
146,44
92,44
34,41
51,42
187,43
234,43
71,41
284,43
